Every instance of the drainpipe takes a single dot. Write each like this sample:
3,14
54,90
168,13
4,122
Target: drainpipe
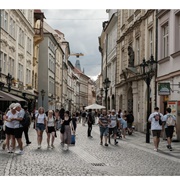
156,57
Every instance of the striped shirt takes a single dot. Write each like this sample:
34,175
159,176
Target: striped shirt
104,120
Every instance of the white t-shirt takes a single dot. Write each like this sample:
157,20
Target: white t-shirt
50,122
9,115
20,115
113,119
155,124
40,118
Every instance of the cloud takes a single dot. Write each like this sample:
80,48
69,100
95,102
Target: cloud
81,29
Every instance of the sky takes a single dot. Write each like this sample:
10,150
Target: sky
81,28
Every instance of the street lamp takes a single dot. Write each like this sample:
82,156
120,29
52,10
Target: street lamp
106,85
9,81
148,70
101,92
42,95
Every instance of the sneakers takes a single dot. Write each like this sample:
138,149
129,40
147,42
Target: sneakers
106,144
116,142
156,150
8,151
20,152
170,148
4,146
39,146
48,146
28,143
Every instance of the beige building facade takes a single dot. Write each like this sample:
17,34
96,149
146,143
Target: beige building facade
136,41
16,53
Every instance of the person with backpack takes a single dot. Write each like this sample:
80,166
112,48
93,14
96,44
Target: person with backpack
26,124
155,118
169,122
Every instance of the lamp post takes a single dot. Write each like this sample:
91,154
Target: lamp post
148,70
106,85
9,81
101,92
42,95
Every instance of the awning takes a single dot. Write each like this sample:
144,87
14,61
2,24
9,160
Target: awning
9,97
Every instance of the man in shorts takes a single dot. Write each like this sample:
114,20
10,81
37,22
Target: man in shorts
156,127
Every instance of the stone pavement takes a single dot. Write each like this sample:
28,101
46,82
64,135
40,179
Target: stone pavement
131,157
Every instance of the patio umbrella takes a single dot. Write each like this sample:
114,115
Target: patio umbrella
95,106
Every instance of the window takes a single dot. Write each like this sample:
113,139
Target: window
51,85
177,33
28,76
11,66
21,37
1,59
28,45
122,59
51,63
4,20
137,60
20,72
150,42
30,16
12,28
5,64
165,44
122,17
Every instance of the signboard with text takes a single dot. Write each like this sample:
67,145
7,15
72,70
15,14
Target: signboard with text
164,89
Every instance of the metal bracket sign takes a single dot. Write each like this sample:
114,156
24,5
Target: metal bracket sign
164,89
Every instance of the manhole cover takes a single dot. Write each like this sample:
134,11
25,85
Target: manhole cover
98,164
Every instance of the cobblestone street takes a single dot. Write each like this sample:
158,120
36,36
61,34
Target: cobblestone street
131,157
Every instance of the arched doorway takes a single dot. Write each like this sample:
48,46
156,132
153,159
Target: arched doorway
130,100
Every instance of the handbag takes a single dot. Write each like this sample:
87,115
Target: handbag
62,128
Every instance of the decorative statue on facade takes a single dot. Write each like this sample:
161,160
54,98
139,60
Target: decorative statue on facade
131,56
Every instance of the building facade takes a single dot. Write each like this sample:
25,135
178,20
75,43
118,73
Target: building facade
168,61
16,53
136,41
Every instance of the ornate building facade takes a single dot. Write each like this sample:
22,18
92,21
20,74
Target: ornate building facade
136,41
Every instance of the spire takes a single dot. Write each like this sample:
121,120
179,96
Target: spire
77,65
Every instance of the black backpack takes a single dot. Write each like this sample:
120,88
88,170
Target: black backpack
26,120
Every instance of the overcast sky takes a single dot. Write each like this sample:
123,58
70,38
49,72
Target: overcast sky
81,29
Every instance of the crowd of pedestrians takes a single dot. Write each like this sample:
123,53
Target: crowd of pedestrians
111,125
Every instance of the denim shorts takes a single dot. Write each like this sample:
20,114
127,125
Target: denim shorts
40,126
103,131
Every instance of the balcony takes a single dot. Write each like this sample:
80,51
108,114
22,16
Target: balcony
38,26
